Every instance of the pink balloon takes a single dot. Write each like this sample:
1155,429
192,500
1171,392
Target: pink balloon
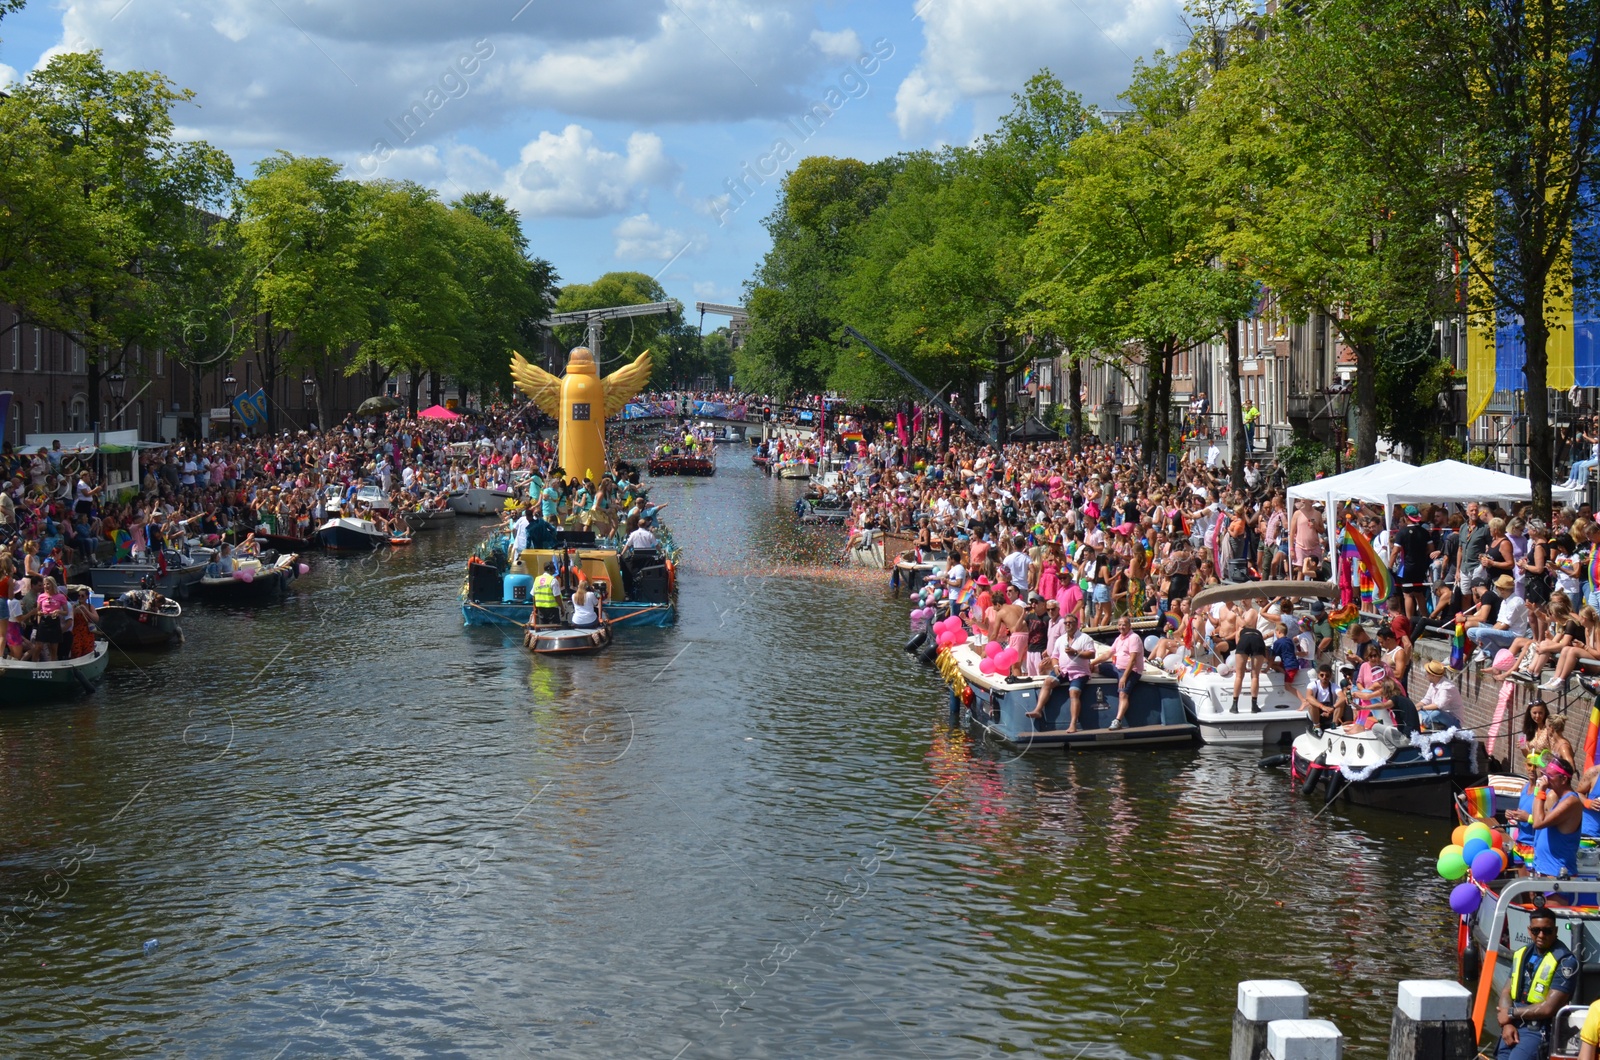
305,568
991,649
944,639
1006,659
960,638
987,666
247,575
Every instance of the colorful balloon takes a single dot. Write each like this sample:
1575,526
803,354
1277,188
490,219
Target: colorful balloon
1466,898
1452,866
305,568
1472,848
1478,830
1486,867
1459,836
986,666
991,649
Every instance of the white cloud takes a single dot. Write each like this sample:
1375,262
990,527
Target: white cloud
640,238
570,175
8,74
843,44
974,49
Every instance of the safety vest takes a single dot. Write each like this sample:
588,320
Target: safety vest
1541,977
544,591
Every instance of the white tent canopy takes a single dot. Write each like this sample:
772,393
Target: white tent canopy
1453,482
1363,484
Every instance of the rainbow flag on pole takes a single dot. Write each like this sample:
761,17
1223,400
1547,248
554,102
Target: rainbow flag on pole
1382,581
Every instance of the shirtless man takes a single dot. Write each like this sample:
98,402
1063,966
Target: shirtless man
1252,653
1008,624
1226,623
1305,540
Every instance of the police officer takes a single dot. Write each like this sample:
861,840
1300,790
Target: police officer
1541,982
547,597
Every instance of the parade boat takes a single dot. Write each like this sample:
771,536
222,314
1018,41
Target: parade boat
638,588
822,511
340,534
174,577
479,500
865,549
288,543
792,467
699,463
1388,765
1281,717
252,581
30,683
763,461
1488,938
999,705
141,619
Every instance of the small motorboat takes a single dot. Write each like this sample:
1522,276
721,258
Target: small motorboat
822,510
698,464
479,500
180,572
763,461
431,519
288,543
254,580
791,468
141,618
29,683
1388,765
914,566
1000,706
866,549
340,534
566,640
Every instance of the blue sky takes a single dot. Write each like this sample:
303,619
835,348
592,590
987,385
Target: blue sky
631,134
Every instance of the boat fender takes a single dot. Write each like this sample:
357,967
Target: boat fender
1471,960
1273,761
929,653
916,642
1313,774
1336,786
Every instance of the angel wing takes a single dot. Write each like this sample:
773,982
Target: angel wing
538,384
623,385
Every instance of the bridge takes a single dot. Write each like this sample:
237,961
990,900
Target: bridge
654,413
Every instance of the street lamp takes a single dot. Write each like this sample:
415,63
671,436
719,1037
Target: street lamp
118,384
1339,414
309,385
228,385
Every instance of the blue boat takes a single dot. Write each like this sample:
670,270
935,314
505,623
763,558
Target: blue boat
351,535
640,589
1157,715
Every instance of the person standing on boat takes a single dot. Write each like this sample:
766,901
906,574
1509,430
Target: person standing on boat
1542,976
1556,820
547,597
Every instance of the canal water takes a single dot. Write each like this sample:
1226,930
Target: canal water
343,826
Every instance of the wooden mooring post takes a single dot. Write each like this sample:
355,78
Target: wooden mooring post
1432,1021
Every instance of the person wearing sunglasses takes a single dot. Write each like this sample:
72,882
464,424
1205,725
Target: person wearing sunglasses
1542,975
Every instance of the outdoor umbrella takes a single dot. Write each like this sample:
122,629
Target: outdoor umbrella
437,412
376,406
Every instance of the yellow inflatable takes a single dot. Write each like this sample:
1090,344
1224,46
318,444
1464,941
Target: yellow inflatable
580,401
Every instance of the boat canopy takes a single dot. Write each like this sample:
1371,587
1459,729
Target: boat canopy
1232,592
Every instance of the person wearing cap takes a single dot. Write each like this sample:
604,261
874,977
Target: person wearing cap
1511,621
1411,556
1320,699
1440,706
1543,975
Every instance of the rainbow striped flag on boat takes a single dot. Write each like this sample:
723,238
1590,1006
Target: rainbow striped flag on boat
1479,802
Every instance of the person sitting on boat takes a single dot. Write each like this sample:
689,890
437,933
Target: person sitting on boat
1036,621
1542,978
1396,656
1440,707
587,609
640,539
547,597
224,565
1070,662
1126,665
1321,699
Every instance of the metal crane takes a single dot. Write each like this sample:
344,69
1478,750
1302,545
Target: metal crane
933,397
594,319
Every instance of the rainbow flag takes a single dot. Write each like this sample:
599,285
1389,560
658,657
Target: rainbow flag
1479,802
1382,582
1594,567
1343,618
1458,650
1592,736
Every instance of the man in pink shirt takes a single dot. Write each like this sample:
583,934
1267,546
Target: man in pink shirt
1126,665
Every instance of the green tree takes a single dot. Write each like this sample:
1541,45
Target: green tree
306,276
132,226
792,298
1487,113
502,290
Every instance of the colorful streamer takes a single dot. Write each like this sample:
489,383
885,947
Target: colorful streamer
1382,581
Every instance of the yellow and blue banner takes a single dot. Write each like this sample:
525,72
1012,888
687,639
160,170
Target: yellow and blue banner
251,409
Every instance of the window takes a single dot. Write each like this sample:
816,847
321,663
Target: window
38,349
76,416
105,416
38,417
77,359
159,359
137,422
16,345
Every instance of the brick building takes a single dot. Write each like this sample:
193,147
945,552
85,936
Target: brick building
161,398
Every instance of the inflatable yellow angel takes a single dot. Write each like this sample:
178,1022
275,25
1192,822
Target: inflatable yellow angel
580,401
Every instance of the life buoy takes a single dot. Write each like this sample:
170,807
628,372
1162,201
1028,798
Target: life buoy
672,578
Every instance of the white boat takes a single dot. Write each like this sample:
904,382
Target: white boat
479,500
792,469
867,550
1224,721
340,534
